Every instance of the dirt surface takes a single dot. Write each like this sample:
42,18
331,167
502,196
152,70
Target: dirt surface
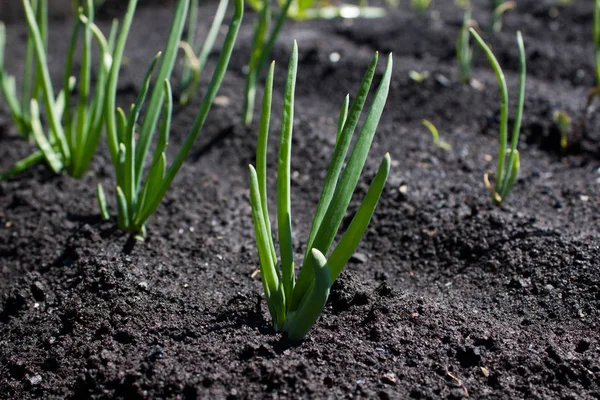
448,296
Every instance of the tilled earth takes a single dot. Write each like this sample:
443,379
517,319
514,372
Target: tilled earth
448,296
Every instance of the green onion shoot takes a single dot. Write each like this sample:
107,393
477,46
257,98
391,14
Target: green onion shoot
263,41
563,122
436,135
31,87
138,198
420,6
597,40
69,141
296,304
464,51
196,56
499,7
507,172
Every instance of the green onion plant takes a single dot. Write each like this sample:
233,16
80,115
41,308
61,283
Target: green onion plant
138,198
464,50
197,55
262,44
32,82
264,36
325,9
419,77
597,40
499,7
420,6
563,122
507,172
435,134
596,90
296,304
70,140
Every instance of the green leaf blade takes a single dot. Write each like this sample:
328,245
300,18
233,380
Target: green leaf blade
347,184
353,235
284,212
153,110
274,291
314,303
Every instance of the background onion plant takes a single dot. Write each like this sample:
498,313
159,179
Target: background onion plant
69,141
31,81
499,7
507,172
138,198
295,305
597,40
263,40
464,50
197,53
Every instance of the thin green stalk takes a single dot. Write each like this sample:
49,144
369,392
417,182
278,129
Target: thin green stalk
264,49
284,212
261,27
506,174
153,111
494,5
464,51
111,89
597,39
82,127
261,154
497,13
188,67
503,106
193,70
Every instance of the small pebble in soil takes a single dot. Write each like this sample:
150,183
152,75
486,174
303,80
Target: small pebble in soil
359,258
35,380
38,292
389,378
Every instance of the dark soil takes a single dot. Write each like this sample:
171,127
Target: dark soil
448,296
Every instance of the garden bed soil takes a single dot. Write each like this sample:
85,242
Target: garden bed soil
447,297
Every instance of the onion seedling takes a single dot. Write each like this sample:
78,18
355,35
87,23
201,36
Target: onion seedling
499,7
464,51
507,173
419,77
194,64
563,122
137,199
295,305
420,6
72,135
436,136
